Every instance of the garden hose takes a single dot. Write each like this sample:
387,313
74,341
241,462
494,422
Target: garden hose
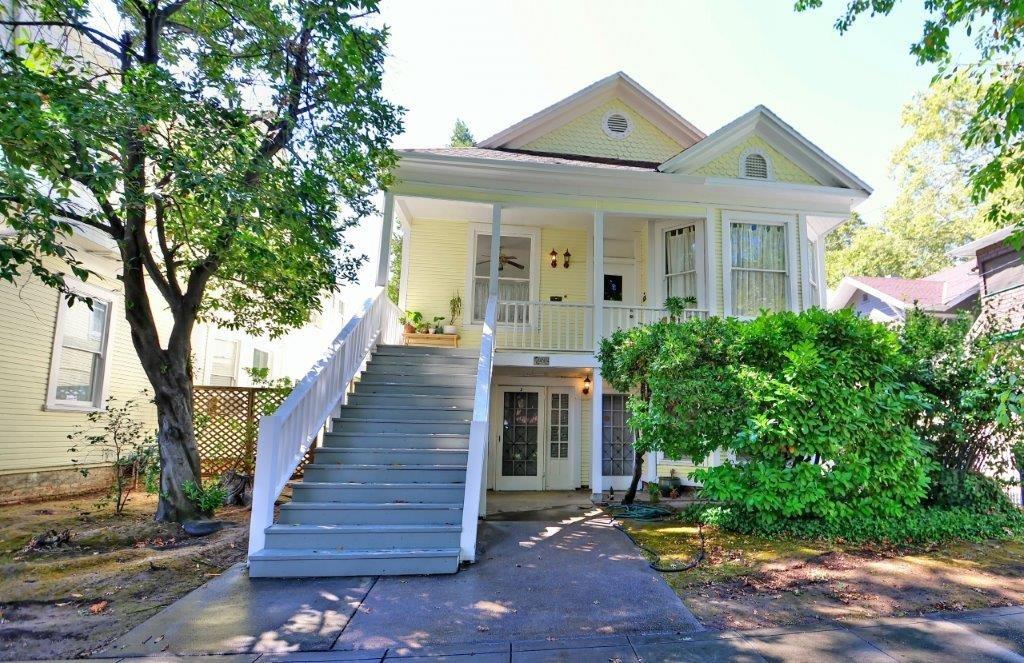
650,513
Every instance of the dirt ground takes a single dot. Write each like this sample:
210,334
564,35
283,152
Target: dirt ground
749,582
112,574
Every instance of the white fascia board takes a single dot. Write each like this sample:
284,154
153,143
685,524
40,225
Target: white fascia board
507,178
971,248
590,97
781,136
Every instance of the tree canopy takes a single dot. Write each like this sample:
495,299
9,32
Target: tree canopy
995,124
223,146
934,209
461,135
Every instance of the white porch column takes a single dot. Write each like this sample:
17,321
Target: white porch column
384,256
598,286
492,284
596,417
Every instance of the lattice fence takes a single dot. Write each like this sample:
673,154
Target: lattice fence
227,422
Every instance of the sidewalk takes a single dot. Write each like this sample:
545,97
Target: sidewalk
976,636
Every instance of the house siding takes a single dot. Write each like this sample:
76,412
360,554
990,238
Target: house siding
728,163
33,438
585,135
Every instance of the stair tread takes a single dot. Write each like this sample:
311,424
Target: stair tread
309,528
350,433
340,506
405,408
376,484
387,466
382,450
397,420
315,553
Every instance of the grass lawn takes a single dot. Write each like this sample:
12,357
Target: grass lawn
113,574
751,582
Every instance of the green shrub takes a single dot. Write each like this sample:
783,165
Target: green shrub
811,407
207,498
967,490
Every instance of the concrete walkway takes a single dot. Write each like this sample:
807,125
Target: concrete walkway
552,584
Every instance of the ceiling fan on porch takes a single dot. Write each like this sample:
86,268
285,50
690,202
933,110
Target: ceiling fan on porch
503,259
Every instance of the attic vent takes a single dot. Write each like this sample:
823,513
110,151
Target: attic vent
755,165
617,125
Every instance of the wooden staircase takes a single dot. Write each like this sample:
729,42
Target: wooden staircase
385,493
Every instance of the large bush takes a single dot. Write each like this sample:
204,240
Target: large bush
975,392
813,409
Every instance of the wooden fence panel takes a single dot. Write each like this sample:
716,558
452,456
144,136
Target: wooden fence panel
227,423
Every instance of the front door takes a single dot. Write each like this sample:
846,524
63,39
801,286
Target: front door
558,475
536,439
620,293
616,442
520,462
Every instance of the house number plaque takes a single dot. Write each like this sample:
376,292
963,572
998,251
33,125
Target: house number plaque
541,361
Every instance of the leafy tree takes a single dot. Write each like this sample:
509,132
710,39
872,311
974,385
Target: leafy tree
395,267
461,136
995,125
225,146
934,210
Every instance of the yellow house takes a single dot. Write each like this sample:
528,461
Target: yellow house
579,220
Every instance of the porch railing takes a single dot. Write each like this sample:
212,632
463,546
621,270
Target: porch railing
286,435
536,325
568,327
479,432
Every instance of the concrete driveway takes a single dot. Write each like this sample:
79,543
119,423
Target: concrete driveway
550,573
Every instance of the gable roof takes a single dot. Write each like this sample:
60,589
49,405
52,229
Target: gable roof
938,292
526,156
618,85
780,135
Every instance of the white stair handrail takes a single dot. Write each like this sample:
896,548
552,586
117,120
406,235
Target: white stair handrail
479,432
286,435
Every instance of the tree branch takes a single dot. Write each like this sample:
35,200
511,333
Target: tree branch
100,39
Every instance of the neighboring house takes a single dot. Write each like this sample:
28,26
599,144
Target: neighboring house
579,220
65,361
1002,289
888,298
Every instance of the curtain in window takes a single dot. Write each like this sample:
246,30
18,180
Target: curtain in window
80,369
509,290
681,262
759,279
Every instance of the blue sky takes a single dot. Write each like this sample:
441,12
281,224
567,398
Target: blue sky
493,63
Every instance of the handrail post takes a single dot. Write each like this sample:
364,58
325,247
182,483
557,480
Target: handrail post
263,497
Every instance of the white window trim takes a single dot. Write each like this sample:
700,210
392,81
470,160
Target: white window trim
661,286
477,229
630,125
240,348
767,160
811,261
789,223
100,395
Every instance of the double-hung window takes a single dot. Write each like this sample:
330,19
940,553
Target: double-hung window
515,276
758,265
681,271
78,375
224,363
813,284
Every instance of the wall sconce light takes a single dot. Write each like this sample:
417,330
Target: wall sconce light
554,259
567,255
586,385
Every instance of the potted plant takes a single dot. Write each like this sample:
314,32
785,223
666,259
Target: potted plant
435,325
411,320
454,313
422,327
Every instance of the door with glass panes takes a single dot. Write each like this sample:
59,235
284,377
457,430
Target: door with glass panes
535,443
616,442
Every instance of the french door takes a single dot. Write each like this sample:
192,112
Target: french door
536,439
616,442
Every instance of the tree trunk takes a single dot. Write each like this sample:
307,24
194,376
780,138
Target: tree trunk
638,471
179,456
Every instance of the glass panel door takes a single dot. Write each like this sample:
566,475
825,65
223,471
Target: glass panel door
558,474
520,444
616,442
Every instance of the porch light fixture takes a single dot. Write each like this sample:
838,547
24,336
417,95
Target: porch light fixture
566,255
586,385
554,259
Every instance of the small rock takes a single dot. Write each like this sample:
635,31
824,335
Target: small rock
202,527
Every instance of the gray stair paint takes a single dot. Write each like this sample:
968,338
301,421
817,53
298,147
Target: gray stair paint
384,493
